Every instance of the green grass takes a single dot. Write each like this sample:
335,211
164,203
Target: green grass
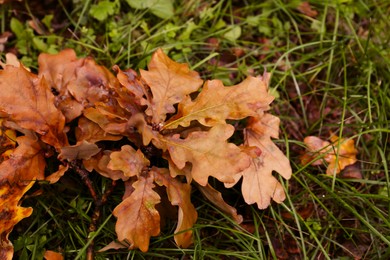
331,74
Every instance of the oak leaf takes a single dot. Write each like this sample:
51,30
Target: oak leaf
100,162
10,214
169,82
51,255
215,197
137,218
92,132
179,194
338,153
129,161
209,153
28,101
79,82
259,185
216,103
82,150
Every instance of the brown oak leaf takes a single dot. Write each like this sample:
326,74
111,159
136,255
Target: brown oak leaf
51,255
216,103
25,164
339,153
259,185
28,101
179,194
215,197
169,82
92,132
129,161
78,82
209,153
137,218
10,214
80,151
99,163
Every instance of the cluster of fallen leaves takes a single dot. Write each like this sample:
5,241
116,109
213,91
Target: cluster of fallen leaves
166,112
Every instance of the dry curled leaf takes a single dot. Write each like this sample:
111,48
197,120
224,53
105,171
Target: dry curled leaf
28,102
129,161
51,255
338,153
179,194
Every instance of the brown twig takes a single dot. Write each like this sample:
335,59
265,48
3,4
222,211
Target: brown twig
99,202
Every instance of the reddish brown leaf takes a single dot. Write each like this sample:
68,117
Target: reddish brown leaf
55,176
209,153
129,161
79,82
138,219
217,103
305,8
83,150
169,82
33,107
179,194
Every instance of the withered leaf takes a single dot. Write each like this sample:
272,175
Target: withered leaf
129,161
169,82
10,214
51,255
79,82
25,164
28,101
81,150
138,219
179,194
99,163
339,153
92,132
209,153
259,185
215,197
216,103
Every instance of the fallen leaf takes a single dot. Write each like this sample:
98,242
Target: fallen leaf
55,176
179,194
51,255
215,197
169,82
129,161
137,218
259,185
209,153
92,132
305,8
216,103
33,107
80,151
338,153
99,163
10,214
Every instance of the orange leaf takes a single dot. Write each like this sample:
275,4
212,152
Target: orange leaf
51,255
92,132
25,164
10,214
217,103
339,153
129,161
33,107
138,219
259,185
209,153
99,163
179,194
169,82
